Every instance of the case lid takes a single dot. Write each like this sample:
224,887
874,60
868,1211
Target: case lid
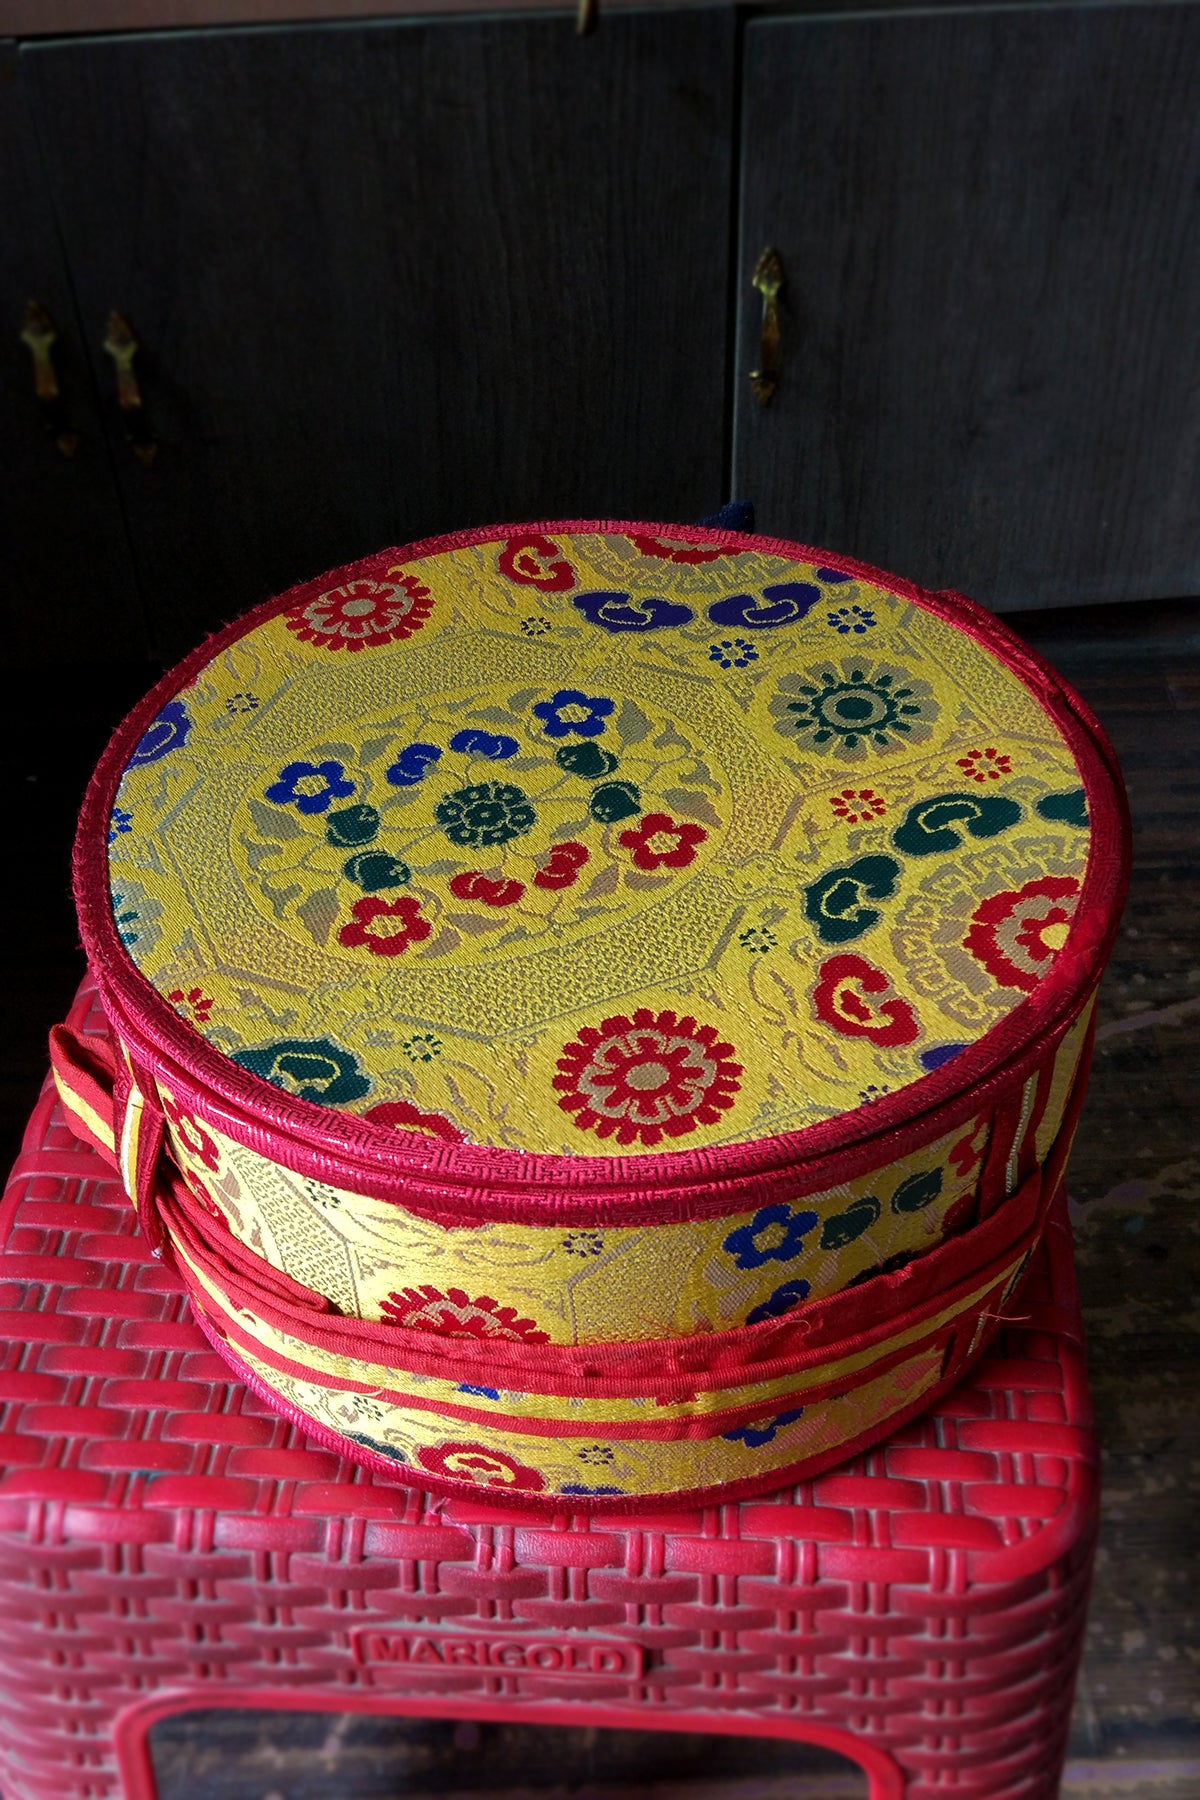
602,838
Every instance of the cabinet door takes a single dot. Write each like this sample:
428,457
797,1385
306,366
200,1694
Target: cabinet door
990,229
393,280
67,591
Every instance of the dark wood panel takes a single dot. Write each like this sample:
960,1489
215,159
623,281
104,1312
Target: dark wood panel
990,226
395,280
65,571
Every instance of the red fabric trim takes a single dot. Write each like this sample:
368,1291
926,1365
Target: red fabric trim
694,1428
86,1069
544,1505
467,1183
826,1331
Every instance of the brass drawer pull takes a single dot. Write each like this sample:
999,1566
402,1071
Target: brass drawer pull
768,278
122,346
39,334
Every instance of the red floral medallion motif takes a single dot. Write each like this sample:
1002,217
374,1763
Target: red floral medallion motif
985,765
1016,935
658,842
646,1078
455,1314
363,613
670,550
385,927
858,806
195,1004
474,1462
190,1134
537,562
404,1116
858,1000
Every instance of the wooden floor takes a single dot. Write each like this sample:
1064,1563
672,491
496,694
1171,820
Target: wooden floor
1135,1182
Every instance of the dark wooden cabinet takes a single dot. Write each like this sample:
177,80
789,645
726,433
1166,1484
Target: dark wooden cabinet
990,228
392,280
67,587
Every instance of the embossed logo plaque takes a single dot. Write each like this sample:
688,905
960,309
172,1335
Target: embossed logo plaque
529,1656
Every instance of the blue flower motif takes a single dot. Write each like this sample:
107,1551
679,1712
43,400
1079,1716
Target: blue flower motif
577,1487
733,653
310,1068
617,611
783,603
851,618
782,1230
940,1053
120,821
495,745
584,713
464,1387
754,1436
413,764
288,792
167,732
784,1300
832,576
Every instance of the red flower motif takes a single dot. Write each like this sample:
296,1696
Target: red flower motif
562,866
985,765
670,550
473,1462
195,1004
658,842
968,1152
646,1078
455,1314
1017,934
407,1117
857,805
473,884
363,613
536,562
412,927
858,1000
190,1134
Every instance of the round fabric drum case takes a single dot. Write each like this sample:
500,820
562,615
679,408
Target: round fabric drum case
598,1011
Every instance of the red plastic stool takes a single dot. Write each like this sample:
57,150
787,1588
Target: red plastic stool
167,1543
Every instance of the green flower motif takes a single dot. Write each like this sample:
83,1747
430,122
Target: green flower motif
422,1047
372,870
843,1228
484,814
588,760
849,710
310,1068
352,825
615,800
915,1193
757,940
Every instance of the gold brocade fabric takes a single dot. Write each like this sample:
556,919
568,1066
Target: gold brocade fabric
591,842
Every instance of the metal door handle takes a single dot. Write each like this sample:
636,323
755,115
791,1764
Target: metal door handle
768,278
37,331
122,346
